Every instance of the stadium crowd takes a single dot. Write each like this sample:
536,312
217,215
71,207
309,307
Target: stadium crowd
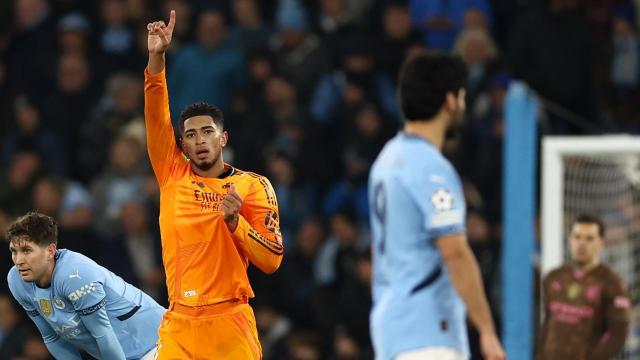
308,92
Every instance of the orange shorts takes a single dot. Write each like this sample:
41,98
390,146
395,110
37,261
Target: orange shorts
220,331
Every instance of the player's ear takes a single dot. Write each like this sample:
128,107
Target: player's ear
225,138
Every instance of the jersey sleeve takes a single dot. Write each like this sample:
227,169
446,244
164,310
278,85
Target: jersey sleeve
258,231
617,317
439,196
161,144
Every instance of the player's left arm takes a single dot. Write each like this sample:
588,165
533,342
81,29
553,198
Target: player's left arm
254,223
617,316
88,296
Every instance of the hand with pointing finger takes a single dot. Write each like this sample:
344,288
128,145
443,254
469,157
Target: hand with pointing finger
231,204
160,35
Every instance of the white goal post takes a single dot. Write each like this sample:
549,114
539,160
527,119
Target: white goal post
554,150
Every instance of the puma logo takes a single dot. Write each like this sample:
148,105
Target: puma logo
75,276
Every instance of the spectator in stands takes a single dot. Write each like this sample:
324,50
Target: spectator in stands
249,31
13,328
299,54
29,129
17,182
441,20
550,50
398,36
122,180
210,70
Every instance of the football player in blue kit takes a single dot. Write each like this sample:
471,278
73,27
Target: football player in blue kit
76,303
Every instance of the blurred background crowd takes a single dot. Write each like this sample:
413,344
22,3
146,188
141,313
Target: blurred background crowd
308,92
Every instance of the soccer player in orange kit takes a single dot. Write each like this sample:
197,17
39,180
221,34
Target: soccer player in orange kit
214,220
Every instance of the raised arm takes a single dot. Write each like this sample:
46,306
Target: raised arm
255,225
161,145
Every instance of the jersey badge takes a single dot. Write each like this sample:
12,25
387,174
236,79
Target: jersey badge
442,200
45,306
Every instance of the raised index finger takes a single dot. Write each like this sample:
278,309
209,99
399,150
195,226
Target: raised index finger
172,20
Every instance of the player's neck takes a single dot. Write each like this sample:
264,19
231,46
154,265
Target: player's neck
45,281
586,267
216,170
432,130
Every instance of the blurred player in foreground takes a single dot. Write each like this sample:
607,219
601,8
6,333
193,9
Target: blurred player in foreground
76,303
586,306
424,271
214,220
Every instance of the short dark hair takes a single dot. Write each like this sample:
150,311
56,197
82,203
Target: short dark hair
590,219
425,80
39,228
202,108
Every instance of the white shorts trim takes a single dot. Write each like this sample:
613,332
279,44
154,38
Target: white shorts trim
432,353
151,355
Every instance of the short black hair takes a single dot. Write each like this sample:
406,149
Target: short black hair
202,108
39,228
590,219
425,80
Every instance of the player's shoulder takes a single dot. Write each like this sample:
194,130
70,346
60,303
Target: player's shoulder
73,269
251,177
558,272
607,274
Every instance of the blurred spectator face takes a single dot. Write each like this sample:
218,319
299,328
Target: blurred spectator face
136,9
344,230
279,92
126,92
246,13
364,271
125,155
303,347
310,238
183,16
477,228
266,316
47,196
292,38
475,46
211,29
72,41
346,348
358,63
332,8
368,122
259,68
29,11
134,216
281,170
23,168
8,315
396,22
27,116
622,28
114,13
474,18
73,74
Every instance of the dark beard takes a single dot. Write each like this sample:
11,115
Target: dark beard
204,166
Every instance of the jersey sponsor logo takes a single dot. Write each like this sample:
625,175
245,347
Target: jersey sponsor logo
189,293
75,276
82,291
70,329
58,303
442,200
45,306
208,201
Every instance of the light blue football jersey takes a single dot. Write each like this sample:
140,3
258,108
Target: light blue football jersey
80,287
416,197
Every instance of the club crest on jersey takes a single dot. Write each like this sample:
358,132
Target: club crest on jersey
45,306
442,200
574,290
58,303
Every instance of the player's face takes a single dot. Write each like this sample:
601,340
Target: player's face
31,260
585,243
202,141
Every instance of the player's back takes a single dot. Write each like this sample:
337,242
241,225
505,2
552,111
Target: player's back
416,197
81,287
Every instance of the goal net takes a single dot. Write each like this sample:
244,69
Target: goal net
599,175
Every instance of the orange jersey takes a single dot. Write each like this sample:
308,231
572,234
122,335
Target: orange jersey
204,262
